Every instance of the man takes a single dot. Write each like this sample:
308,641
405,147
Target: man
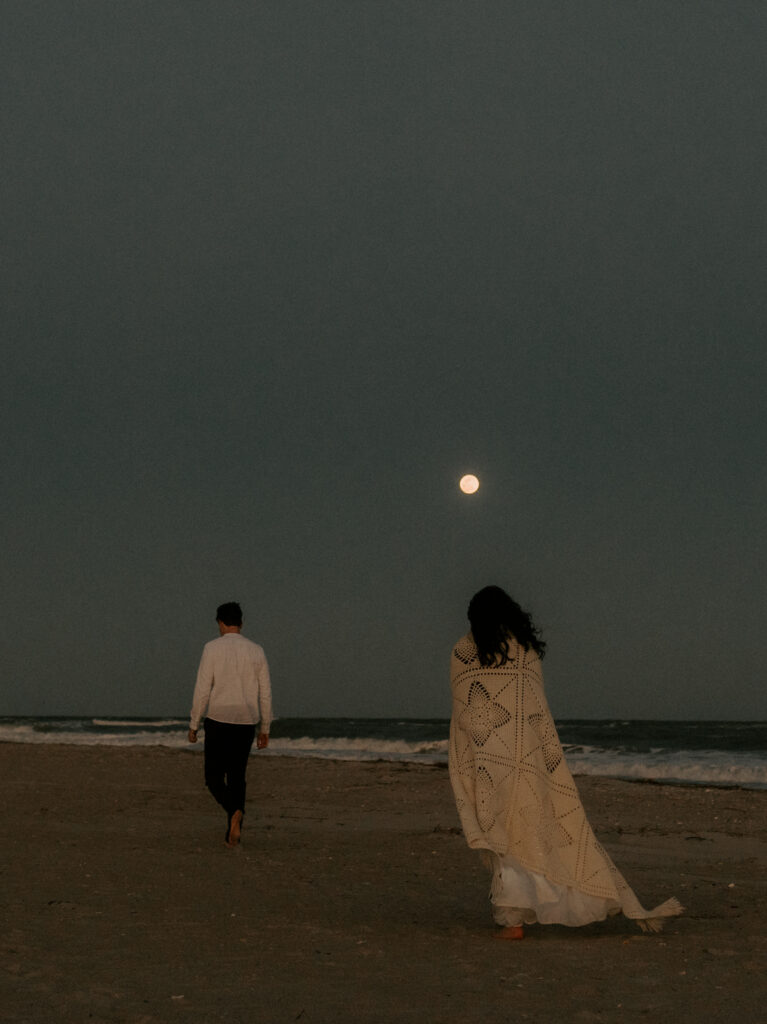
233,693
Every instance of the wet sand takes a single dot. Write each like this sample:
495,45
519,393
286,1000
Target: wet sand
353,897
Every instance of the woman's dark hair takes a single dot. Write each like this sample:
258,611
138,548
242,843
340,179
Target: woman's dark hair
494,616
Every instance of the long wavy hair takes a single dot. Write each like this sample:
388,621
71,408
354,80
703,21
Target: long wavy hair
495,618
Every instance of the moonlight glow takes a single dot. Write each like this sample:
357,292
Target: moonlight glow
469,483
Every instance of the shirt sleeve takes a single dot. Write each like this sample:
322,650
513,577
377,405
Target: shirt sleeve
264,695
202,689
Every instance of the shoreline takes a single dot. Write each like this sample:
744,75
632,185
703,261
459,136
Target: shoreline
353,897
196,749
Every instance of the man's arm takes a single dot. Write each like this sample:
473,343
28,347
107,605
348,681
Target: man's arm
264,703
202,689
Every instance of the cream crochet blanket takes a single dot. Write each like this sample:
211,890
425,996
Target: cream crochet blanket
514,791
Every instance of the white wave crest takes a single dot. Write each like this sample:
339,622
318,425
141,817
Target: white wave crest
139,738
141,723
699,767
361,748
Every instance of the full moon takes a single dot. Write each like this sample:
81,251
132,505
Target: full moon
469,483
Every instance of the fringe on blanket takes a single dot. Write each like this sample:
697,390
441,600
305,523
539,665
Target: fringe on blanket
671,908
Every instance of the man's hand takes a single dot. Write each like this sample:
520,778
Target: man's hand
263,740
192,735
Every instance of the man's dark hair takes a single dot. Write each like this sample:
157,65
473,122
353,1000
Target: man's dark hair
230,614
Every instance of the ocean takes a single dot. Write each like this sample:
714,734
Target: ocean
684,753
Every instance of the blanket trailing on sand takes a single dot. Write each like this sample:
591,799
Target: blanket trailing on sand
514,792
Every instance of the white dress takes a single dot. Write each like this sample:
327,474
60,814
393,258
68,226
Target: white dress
520,896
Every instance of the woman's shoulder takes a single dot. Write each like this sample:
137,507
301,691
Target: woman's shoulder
465,650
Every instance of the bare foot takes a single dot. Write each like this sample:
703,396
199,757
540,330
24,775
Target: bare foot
235,829
514,931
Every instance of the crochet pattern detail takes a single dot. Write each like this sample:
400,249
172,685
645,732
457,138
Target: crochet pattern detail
544,729
465,650
486,715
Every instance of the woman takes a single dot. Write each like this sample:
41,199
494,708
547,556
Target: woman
515,794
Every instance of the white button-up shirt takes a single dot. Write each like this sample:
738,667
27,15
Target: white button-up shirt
233,684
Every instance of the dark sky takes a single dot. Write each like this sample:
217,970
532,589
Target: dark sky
277,273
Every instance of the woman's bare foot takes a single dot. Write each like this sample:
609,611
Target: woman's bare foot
514,931
235,829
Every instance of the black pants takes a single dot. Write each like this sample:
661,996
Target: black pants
227,748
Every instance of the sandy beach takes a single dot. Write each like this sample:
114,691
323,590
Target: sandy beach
353,897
